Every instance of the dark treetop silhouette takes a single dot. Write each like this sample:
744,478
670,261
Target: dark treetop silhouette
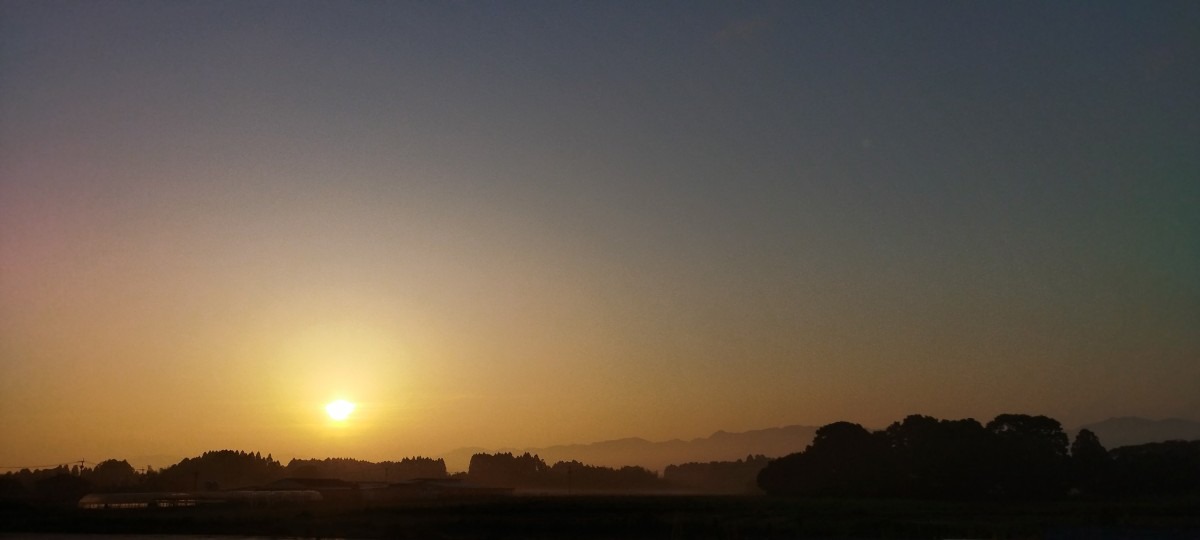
1014,456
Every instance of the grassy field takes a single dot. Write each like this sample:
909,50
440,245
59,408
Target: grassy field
643,517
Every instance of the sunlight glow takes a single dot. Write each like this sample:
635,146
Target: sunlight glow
339,410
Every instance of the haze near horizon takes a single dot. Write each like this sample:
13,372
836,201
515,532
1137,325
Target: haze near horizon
528,224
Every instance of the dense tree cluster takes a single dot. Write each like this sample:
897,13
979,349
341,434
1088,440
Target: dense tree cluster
1014,456
725,477
221,469
366,471
508,470
531,472
67,484
1170,468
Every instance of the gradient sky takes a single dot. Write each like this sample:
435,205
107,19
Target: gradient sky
526,223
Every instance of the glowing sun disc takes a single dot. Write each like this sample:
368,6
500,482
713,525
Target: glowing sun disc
340,409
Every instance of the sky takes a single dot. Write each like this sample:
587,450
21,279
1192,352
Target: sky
531,223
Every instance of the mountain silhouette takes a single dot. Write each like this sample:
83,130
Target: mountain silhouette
1130,430
634,451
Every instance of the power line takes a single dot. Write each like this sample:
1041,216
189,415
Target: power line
80,462
53,466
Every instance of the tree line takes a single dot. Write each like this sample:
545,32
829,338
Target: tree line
221,469
1014,456
230,469
718,477
530,472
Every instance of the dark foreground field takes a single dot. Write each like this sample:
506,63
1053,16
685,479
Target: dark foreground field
641,517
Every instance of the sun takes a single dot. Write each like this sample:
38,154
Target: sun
339,410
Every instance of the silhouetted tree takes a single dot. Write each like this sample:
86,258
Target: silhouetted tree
728,477
62,489
1030,456
507,470
415,467
1091,466
11,487
781,476
1014,456
939,458
112,475
530,472
365,471
1154,469
843,460
223,469
581,477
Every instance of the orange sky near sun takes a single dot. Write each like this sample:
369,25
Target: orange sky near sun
502,226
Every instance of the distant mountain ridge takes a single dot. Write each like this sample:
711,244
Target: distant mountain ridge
720,446
1130,430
